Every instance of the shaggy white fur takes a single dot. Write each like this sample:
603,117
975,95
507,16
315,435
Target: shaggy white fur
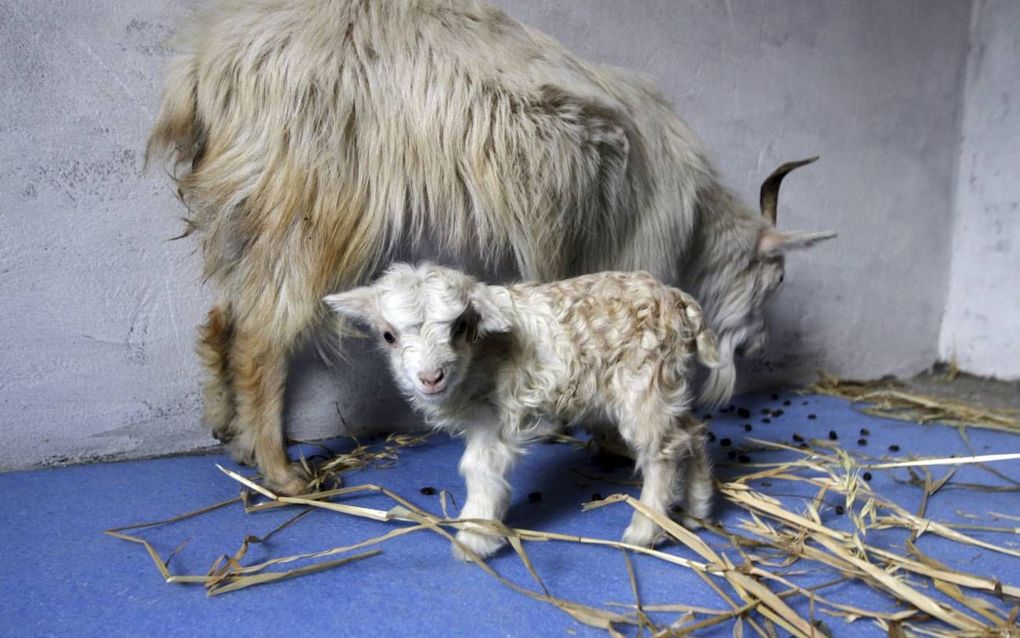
312,137
504,365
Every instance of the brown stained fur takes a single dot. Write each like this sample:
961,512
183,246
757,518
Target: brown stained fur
215,337
259,372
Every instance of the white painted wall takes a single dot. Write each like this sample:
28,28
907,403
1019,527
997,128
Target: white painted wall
99,309
981,329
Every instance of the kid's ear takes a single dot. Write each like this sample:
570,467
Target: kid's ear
360,304
493,305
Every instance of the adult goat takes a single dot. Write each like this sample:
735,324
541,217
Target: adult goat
312,137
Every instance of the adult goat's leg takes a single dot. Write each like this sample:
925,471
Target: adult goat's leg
259,365
215,339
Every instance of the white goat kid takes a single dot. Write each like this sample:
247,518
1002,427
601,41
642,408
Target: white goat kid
502,365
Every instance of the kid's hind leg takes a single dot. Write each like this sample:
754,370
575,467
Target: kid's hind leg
658,448
215,339
697,486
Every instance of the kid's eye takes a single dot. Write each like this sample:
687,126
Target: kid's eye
460,327
389,338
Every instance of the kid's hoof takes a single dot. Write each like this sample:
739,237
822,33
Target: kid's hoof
481,544
641,532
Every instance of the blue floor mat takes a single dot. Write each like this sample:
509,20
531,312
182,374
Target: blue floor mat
60,575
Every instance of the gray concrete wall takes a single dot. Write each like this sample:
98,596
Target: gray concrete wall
100,309
981,330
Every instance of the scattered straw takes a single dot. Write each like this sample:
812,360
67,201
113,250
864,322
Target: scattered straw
889,399
752,577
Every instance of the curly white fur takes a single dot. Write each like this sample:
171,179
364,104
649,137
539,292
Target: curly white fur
502,365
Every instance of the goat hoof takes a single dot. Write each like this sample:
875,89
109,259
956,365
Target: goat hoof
641,532
288,480
242,449
691,523
481,544
289,486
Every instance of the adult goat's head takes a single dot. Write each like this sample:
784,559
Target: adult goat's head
740,273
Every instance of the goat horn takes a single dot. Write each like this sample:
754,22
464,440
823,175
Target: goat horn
770,187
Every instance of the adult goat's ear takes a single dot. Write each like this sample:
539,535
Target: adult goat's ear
493,306
359,304
773,243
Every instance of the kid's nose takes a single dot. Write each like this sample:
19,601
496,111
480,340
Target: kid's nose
430,378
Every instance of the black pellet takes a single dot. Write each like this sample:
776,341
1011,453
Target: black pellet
747,427
798,438
731,408
786,403
707,416
862,442
428,490
894,448
776,413
744,458
803,402
775,397
766,411
833,436
812,416
596,497
743,413
766,420
840,510
865,431
711,436
534,497
732,454
866,476
725,442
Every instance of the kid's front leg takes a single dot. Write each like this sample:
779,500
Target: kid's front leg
486,462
